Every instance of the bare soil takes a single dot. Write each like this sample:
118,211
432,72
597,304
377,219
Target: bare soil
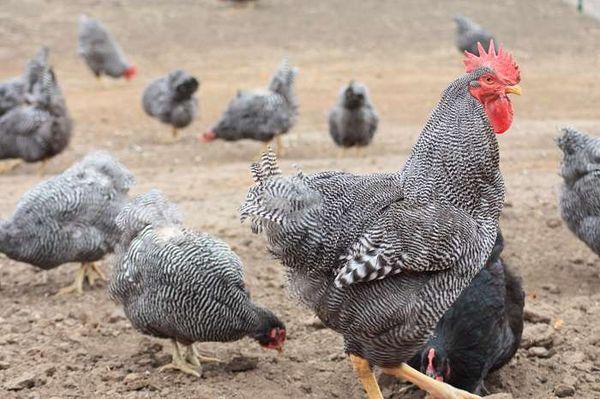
66,347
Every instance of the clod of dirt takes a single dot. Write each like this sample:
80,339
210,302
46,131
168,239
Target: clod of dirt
24,381
564,391
538,351
537,335
4,365
116,316
500,396
313,322
553,223
533,315
551,288
242,363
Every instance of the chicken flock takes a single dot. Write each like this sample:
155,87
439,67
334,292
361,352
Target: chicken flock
406,266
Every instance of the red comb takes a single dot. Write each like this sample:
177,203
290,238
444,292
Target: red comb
503,63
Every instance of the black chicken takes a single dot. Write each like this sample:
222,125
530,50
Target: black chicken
481,332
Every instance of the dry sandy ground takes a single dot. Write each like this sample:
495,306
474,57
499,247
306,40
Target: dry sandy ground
81,347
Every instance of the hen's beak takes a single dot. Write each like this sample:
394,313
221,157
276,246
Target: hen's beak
516,89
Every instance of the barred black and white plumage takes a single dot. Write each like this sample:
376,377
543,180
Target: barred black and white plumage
579,199
100,50
468,34
179,284
14,92
41,128
353,121
70,217
171,99
261,114
422,233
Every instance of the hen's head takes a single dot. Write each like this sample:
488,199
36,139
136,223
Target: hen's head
354,95
435,364
271,331
581,154
130,72
500,76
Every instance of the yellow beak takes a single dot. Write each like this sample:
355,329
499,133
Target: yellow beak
516,89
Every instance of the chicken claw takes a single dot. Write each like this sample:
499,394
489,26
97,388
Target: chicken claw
89,272
437,389
367,378
187,362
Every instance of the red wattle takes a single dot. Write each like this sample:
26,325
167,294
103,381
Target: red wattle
500,113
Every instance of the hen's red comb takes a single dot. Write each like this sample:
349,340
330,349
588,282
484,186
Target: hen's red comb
503,63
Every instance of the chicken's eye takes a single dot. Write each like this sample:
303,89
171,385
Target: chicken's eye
489,79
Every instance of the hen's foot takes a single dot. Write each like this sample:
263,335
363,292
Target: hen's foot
367,378
7,166
437,389
184,360
87,271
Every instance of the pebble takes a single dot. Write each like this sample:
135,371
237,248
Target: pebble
4,365
500,396
551,288
537,335
553,223
535,315
117,315
242,363
563,391
313,322
539,351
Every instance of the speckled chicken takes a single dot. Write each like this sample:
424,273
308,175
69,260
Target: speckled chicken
380,258
41,128
101,52
481,332
13,92
468,34
353,121
261,115
171,99
186,286
70,218
579,199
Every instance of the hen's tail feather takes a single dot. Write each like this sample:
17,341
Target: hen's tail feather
151,208
278,199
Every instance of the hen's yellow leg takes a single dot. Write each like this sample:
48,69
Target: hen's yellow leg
180,362
87,271
437,389
366,377
7,166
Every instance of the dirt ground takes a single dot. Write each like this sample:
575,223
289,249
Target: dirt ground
67,347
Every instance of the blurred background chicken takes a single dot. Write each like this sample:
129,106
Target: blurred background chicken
69,218
41,127
262,114
101,52
481,332
579,199
171,99
185,286
14,91
353,121
468,34
380,258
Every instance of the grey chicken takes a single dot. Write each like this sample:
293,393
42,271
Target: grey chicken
468,34
171,99
379,258
261,115
69,218
579,199
101,52
186,286
13,92
353,121
39,129
481,332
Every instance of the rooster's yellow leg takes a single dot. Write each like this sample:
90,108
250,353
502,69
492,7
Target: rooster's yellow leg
181,363
366,377
7,166
437,389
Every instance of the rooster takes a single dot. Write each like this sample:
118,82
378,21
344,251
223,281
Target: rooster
353,121
481,332
262,115
579,199
171,99
468,34
187,286
380,258
101,52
